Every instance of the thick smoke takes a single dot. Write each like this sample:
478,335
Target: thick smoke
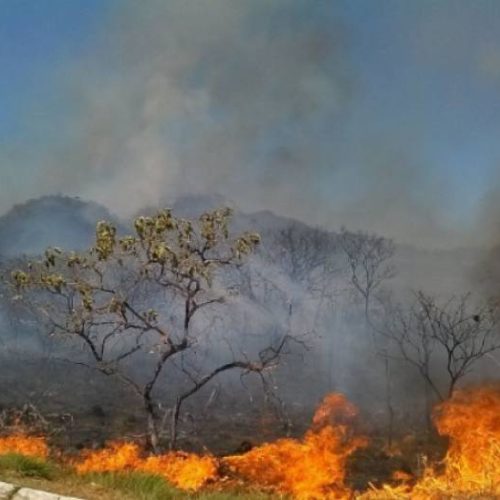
270,104
203,96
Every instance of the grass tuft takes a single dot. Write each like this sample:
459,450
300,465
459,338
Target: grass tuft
142,486
26,466
137,485
41,474
240,495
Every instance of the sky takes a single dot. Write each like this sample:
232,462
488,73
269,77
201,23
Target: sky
379,115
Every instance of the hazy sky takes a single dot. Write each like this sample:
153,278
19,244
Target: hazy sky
377,114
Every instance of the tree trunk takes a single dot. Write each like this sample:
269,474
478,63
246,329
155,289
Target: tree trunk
173,424
388,396
428,407
451,388
152,428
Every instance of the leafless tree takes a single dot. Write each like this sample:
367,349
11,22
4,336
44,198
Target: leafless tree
369,259
307,255
456,334
369,263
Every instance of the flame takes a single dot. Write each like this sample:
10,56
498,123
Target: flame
401,475
311,468
315,466
115,457
24,445
185,470
471,421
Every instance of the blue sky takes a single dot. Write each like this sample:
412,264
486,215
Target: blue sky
436,88
37,37
377,114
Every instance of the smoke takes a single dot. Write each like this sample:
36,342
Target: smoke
274,105
486,274
221,96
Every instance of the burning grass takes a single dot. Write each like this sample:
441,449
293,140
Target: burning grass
20,443
184,470
314,467
471,467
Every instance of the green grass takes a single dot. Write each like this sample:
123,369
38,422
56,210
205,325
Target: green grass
137,485
229,495
45,475
142,486
27,466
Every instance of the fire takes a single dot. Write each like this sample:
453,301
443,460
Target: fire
315,467
115,457
185,470
24,445
471,421
311,468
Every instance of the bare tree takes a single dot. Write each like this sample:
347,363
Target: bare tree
137,300
369,262
307,255
456,334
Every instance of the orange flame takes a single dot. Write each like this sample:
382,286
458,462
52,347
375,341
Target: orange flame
312,468
115,457
24,445
471,421
185,470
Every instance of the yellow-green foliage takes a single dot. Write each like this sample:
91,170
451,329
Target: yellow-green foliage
182,250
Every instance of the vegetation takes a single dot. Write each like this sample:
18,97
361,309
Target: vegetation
27,466
157,311
459,331
48,476
138,297
149,487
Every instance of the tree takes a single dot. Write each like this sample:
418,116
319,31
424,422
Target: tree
369,262
144,299
307,255
456,334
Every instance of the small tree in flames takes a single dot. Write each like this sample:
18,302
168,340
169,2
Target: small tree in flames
139,295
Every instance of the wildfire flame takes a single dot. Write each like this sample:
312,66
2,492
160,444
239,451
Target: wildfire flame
471,421
188,471
311,468
315,466
24,445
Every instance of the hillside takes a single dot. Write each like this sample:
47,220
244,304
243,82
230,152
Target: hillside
67,222
30,227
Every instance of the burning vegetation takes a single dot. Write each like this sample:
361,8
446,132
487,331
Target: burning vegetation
316,466
471,467
312,467
185,470
24,444
152,313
